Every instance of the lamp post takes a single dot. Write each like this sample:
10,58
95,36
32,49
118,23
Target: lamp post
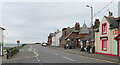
91,18
91,15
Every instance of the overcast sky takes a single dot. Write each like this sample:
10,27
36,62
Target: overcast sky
33,21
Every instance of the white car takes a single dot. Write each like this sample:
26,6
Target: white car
44,44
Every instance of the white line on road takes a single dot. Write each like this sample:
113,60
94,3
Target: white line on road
55,53
38,60
68,58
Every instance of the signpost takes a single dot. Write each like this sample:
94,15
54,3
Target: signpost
18,42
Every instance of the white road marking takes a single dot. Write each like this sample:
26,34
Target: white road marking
68,58
38,60
55,53
30,49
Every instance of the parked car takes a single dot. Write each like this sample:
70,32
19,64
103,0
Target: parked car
44,44
47,43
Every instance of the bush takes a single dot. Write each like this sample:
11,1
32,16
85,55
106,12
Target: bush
37,43
82,49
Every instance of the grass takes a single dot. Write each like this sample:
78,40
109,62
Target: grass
12,48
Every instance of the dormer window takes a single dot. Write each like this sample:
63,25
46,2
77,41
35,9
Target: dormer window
104,28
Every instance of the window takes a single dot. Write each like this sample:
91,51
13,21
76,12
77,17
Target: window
104,45
104,28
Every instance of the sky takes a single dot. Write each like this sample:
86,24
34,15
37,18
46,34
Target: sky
33,21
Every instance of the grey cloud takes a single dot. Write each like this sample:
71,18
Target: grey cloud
34,21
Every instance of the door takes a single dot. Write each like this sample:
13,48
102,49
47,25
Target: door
119,48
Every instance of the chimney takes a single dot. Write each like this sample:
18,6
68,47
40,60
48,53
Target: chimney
58,31
68,28
97,23
110,14
77,26
63,29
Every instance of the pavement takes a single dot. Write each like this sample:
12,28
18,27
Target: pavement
25,55
85,54
39,54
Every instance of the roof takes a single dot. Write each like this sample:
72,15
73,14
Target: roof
112,21
90,36
84,29
69,32
2,28
51,34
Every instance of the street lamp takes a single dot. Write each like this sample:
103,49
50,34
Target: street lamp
91,21
91,15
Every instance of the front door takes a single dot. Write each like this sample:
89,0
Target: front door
119,48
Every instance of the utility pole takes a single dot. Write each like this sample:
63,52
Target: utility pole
91,15
91,23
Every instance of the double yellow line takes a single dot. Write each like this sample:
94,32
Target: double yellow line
34,52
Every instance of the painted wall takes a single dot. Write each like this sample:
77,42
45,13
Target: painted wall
1,40
1,34
55,39
111,43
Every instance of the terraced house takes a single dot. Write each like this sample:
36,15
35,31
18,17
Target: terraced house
107,37
50,38
55,38
72,36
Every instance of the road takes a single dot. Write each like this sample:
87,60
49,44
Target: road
39,54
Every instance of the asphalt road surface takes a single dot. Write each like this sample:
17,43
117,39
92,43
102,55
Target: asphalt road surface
39,54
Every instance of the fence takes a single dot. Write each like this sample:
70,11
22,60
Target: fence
12,51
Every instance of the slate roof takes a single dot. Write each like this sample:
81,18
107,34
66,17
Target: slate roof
112,21
90,36
2,28
69,31
51,34
83,29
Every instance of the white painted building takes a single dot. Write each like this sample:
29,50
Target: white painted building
55,38
1,41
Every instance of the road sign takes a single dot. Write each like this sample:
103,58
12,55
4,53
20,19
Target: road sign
18,41
116,32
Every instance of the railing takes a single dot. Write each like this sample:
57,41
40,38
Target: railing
12,52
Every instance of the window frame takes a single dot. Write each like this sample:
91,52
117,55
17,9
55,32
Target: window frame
103,44
102,28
